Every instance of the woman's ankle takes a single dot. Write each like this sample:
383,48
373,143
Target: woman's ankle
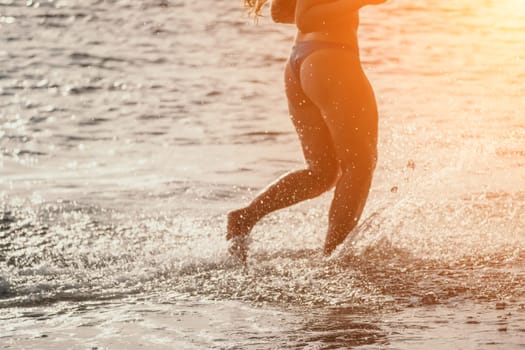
240,223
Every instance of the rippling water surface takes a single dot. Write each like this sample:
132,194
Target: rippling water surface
129,128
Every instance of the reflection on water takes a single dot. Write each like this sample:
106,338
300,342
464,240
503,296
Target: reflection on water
124,138
333,328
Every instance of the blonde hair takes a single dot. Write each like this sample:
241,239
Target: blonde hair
254,6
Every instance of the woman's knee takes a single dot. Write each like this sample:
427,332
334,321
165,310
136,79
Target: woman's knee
325,174
360,163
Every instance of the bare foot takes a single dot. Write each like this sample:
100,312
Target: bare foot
239,248
240,223
332,241
328,249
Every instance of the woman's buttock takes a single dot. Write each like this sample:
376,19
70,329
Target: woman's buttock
303,49
334,75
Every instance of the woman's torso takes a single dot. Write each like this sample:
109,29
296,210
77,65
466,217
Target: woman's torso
342,30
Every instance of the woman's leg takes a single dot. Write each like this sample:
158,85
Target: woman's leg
296,186
350,196
336,83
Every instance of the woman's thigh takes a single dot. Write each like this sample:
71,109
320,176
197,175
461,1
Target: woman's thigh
316,139
336,84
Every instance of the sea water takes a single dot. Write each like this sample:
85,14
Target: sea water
128,129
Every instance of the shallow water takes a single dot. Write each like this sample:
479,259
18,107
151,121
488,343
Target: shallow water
128,129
